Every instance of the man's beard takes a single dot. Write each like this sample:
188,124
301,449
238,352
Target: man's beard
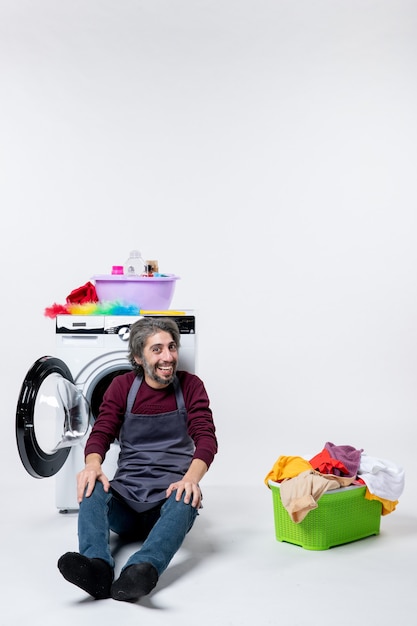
151,371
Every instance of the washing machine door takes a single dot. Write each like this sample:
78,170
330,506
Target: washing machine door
52,415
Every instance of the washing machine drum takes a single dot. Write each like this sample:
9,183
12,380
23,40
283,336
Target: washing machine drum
52,415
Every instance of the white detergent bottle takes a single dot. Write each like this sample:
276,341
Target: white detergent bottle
135,265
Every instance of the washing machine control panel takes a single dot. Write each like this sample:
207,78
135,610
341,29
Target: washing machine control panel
114,324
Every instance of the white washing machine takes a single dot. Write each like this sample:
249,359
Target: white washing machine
61,395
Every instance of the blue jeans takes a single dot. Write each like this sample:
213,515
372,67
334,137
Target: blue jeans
162,529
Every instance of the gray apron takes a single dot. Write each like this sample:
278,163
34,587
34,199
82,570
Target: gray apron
155,451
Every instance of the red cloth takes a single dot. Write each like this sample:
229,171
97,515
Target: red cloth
325,464
85,293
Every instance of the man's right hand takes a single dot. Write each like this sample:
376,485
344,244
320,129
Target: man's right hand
86,479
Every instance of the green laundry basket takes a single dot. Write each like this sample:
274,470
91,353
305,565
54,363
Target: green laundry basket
342,515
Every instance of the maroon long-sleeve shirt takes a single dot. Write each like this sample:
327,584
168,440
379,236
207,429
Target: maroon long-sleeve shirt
150,401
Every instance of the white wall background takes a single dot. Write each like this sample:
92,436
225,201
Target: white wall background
264,151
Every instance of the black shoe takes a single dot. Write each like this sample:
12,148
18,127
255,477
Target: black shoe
134,582
94,576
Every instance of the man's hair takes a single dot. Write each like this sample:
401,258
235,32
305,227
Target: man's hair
144,328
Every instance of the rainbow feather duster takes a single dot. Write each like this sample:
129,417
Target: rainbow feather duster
92,308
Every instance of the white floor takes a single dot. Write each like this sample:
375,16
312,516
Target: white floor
230,571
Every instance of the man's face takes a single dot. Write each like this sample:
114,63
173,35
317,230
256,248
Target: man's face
160,358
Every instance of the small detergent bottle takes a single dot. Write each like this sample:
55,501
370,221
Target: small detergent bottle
134,265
